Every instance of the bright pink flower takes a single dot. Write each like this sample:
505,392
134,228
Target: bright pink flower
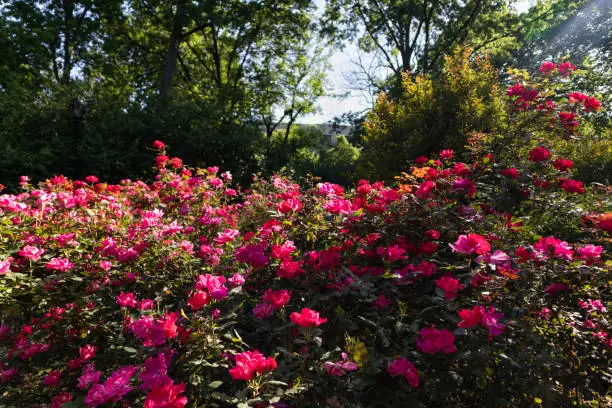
330,189
425,189
591,104
89,377
496,258
539,154
249,363
226,236
339,368
471,318
447,154
490,320
553,247
339,206
471,243
113,389
126,300
404,367
277,298
155,332
391,253
198,300
590,252
213,284
288,268
145,304
159,145
515,90
547,67
432,340
307,318
510,173
53,378
166,394
450,286
544,313
31,253
596,305
5,266
283,251
59,264
237,279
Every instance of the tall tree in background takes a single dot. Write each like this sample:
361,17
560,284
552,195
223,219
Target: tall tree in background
289,87
415,35
96,80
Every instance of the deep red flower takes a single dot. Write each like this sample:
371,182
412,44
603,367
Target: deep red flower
563,164
432,341
591,104
566,67
547,67
539,154
199,300
470,318
572,186
511,172
576,97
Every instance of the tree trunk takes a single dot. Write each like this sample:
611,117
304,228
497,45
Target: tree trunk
173,50
68,7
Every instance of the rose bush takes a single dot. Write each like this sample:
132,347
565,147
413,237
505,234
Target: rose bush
443,288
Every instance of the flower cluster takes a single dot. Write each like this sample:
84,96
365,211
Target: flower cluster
251,363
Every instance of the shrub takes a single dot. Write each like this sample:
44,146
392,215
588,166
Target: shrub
430,113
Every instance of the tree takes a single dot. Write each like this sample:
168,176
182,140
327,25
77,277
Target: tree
415,35
289,87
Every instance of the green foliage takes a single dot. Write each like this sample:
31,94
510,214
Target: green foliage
307,152
430,113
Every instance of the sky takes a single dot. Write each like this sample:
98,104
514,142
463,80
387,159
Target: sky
340,97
